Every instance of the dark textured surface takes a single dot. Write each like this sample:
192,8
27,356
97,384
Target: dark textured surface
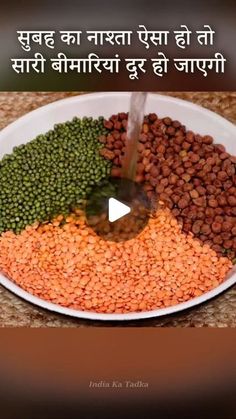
220,312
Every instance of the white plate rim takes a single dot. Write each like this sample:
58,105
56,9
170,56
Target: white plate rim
15,289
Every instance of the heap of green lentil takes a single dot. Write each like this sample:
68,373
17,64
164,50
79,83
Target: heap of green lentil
51,174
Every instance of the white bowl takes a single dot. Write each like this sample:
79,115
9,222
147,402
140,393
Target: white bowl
195,118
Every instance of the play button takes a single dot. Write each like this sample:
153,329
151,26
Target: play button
118,209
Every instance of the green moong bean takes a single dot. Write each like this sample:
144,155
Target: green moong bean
51,174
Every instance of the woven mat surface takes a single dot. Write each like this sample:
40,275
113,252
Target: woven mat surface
220,312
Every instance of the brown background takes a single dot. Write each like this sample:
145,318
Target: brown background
46,373
219,312
118,15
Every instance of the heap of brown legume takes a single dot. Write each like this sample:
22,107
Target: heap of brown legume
69,265
195,177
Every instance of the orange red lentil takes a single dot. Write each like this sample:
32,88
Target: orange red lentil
69,265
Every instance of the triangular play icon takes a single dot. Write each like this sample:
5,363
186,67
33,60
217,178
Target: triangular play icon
117,209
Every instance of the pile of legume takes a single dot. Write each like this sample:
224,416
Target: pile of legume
73,267
193,176
47,248
48,175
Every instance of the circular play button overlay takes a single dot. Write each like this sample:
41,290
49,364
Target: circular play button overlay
118,209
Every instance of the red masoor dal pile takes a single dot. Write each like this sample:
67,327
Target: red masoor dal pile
71,266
